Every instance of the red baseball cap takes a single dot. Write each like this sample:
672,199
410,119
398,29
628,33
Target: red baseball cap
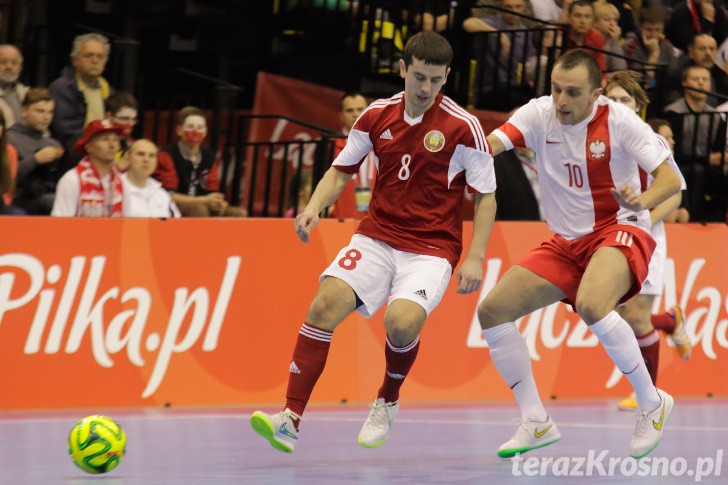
96,127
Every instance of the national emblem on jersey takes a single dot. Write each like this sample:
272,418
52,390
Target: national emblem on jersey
434,141
597,149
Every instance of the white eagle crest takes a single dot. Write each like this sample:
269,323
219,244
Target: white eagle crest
597,149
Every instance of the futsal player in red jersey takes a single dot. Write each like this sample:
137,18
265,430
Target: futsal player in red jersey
427,150
588,154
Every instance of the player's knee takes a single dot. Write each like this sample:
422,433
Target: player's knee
319,315
591,310
401,335
403,327
487,314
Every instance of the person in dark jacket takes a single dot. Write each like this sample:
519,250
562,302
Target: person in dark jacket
38,155
188,171
79,93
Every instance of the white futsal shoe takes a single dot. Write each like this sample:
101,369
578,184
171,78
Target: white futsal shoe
530,435
650,425
278,429
375,429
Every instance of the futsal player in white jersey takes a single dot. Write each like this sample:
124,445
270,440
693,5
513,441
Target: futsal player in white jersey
588,151
624,87
427,150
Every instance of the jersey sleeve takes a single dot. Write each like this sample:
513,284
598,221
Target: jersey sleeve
671,161
479,169
358,145
513,132
639,141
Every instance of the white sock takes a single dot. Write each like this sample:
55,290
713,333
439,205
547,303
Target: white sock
619,341
510,355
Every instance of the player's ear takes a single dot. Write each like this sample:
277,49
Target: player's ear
447,73
402,68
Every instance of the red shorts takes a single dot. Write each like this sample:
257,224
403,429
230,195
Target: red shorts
563,262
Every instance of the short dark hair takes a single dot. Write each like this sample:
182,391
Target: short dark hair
686,70
188,111
350,94
430,47
651,15
657,123
36,95
581,3
119,100
579,57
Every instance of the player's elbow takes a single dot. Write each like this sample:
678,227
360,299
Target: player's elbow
674,182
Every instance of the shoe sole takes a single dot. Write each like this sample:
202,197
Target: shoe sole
373,445
514,451
664,422
262,425
624,407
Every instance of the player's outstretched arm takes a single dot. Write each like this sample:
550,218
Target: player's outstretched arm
495,144
470,275
326,193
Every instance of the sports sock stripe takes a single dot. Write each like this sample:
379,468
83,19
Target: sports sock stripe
315,333
403,349
649,339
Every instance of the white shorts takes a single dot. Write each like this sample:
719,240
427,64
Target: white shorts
375,270
655,281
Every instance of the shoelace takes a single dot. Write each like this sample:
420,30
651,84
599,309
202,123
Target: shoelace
292,417
380,414
522,430
643,420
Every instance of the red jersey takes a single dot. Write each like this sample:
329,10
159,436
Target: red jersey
424,166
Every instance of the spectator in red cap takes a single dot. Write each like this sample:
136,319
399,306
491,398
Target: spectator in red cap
93,188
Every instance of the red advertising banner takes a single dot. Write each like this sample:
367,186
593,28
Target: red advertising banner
135,312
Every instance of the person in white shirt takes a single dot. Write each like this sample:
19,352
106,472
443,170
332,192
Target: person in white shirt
144,196
92,188
588,152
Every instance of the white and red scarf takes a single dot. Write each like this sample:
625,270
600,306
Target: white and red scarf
93,200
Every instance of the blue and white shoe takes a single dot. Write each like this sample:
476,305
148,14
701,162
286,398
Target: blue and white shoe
278,429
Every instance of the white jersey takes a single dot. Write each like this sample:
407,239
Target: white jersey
579,164
658,229
655,277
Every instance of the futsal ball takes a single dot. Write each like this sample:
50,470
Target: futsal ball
97,444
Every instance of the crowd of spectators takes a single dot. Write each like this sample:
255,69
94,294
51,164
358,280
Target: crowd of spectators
679,48
68,149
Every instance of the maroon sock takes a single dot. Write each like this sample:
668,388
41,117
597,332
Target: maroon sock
650,349
309,359
665,322
399,362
